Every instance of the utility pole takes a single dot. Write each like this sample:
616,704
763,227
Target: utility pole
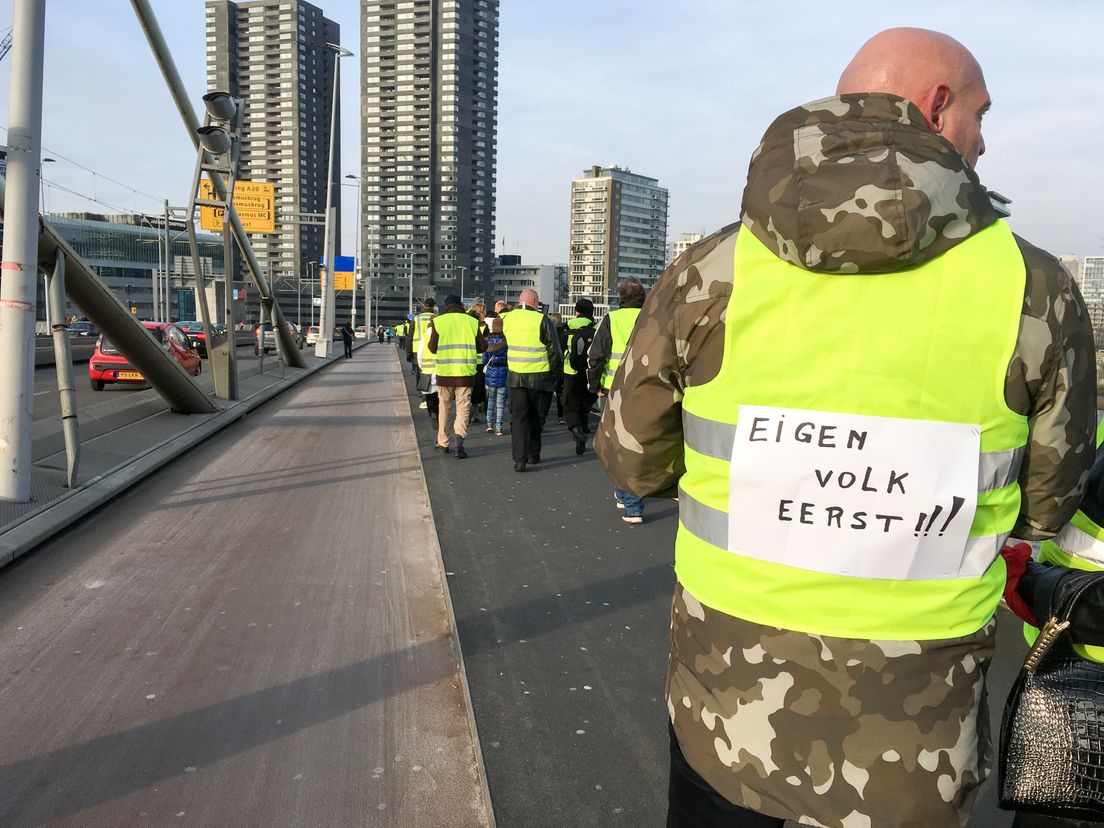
19,268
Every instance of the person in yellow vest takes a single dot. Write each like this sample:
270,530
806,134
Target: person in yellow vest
1036,590
455,341
534,361
857,394
419,326
606,351
578,399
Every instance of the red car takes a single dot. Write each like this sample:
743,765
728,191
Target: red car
108,365
198,336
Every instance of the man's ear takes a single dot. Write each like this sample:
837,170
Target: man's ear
935,105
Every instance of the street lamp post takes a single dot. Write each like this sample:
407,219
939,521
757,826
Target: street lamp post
323,347
462,270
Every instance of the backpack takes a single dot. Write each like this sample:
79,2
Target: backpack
578,343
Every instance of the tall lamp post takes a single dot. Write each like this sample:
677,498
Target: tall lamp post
462,270
358,266
324,346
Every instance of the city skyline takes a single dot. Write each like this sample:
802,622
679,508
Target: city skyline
690,116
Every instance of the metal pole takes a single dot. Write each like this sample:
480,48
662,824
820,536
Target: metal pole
167,295
323,347
228,315
63,360
19,268
161,53
410,287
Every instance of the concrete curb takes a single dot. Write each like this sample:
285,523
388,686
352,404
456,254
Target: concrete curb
58,515
462,670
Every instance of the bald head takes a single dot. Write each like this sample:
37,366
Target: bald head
529,298
935,72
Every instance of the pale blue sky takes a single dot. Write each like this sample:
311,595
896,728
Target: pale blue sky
680,92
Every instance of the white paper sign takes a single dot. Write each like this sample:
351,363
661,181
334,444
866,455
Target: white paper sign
847,494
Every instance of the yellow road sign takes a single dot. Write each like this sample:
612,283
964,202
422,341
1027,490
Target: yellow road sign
343,280
255,202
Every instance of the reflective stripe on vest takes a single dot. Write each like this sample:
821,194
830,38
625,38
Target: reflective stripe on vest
996,469
421,322
525,353
574,324
918,344
621,323
456,353
1080,545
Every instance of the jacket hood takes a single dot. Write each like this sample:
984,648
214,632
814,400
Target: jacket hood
860,184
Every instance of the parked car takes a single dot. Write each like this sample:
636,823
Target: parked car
312,334
360,332
195,332
268,339
83,328
107,365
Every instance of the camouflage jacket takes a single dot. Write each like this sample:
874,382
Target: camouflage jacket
744,698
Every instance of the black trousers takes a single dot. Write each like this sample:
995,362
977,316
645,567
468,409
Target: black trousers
528,408
348,348
692,802
577,401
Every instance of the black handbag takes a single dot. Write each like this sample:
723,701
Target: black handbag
1052,731
425,383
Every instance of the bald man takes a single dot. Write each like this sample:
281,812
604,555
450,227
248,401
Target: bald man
858,393
534,361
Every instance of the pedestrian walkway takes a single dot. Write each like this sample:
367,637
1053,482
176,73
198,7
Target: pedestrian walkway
258,634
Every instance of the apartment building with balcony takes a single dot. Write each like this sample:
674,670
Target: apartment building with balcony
618,231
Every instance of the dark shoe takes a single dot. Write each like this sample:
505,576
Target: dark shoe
534,459
580,439
445,449
461,453
519,467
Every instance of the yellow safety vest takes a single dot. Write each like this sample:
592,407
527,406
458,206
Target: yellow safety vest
574,324
621,323
456,353
421,322
1080,545
525,353
931,343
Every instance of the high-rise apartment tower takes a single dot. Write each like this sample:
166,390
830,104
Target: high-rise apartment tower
618,230
429,123
270,53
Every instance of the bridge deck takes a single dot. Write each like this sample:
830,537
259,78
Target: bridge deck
256,635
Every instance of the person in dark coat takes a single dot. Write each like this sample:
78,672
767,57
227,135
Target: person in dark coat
347,339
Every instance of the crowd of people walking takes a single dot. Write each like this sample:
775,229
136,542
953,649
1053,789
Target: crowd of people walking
510,364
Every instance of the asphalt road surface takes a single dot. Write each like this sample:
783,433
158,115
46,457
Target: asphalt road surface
48,404
563,613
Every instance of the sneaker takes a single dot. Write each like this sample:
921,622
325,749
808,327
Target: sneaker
534,459
461,453
445,449
617,500
498,433
633,519
422,405
490,428
519,467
